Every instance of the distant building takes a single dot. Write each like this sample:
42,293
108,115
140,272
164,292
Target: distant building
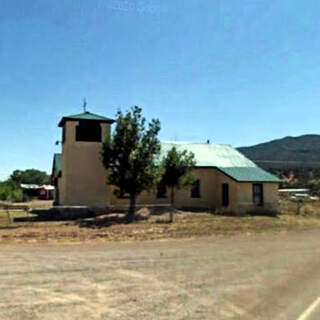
295,193
226,180
42,192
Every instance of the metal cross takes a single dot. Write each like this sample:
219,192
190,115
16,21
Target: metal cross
84,105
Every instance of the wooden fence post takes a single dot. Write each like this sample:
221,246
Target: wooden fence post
8,214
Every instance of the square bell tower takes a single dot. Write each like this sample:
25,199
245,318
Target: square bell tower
83,180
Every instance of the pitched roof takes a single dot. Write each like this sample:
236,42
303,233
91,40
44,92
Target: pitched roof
224,157
249,174
85,116
210,154
57,163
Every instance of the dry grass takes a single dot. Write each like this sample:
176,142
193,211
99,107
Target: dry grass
113,227
34,204
307,208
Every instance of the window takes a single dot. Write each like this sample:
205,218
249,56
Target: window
161,191
89,131
225,194
195,190
257,191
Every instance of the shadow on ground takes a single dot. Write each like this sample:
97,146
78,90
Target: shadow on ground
102,220
107,221
89,221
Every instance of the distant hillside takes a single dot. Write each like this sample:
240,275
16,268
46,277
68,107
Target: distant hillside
286,152
296,160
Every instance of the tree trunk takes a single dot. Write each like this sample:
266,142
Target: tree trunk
172,204
9,217
132,208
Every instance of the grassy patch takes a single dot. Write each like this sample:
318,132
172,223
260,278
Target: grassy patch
307,208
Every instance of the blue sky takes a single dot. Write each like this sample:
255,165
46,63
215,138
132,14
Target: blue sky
237,72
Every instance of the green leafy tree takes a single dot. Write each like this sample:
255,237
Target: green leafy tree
177,167
30,176
129,155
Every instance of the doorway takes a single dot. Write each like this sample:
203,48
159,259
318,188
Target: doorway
225,194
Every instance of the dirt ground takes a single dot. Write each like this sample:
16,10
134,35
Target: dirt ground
257,277
202,266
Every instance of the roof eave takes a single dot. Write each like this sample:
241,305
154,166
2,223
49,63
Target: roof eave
276,180
258,181
64,119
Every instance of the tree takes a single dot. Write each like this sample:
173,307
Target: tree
177,167
129,155
30,176
10,191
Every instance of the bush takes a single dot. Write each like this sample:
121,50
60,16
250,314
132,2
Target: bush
11,192
16,196
6,189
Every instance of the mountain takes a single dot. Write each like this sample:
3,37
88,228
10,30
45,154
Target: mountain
296,160
302,151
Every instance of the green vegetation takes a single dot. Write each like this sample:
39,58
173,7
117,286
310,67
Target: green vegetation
10,189
129,155
30,176
299,177
177,167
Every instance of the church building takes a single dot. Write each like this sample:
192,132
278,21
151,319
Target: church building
226,181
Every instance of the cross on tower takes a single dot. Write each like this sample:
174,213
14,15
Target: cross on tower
84,105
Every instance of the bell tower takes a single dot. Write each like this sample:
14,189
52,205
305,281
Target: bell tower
83,178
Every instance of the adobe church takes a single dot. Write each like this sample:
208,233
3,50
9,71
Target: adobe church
226,181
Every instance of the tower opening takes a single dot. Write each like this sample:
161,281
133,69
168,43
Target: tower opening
88,131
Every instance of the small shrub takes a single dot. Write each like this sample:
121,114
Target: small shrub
9,191
16,196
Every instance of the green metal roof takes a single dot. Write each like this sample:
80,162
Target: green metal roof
249,174
210,154
85,116
224,157
57,163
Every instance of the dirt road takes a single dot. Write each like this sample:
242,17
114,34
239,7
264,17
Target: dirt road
242,277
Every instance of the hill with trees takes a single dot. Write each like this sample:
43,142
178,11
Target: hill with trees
303,151
295,159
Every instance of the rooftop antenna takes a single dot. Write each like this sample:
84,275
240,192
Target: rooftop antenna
84,105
